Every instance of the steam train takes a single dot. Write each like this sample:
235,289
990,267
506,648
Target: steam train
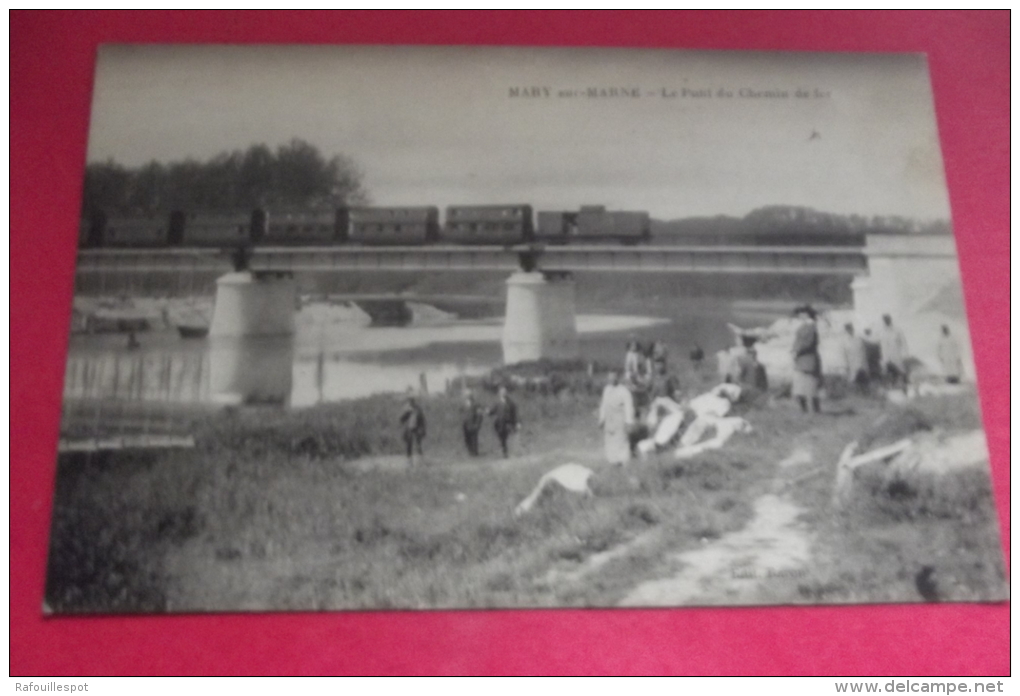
504,225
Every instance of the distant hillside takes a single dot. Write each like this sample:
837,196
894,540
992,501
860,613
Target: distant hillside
788,225
718,225
598,291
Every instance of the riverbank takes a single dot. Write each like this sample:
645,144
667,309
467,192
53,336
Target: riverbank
317,509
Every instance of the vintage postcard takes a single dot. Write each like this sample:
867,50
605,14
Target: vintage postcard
423,328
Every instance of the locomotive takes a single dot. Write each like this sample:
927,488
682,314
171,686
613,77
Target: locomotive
593,223
503,225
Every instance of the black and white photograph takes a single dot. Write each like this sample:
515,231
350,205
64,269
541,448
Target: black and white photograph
389,327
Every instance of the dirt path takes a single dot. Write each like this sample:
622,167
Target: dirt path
597,561
735,568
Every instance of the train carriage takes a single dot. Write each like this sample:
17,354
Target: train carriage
593,224
91,229
631,226
489,224
152,230
552,226
320,227
217,229
503,225
402,226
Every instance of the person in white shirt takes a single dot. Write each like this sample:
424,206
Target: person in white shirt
616,416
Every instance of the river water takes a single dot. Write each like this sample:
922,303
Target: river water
336,355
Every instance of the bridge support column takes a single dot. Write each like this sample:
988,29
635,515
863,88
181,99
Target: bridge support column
540,318
254,304
254,370
251,351
915,279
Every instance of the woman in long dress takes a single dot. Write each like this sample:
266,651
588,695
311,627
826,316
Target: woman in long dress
616,416
807,364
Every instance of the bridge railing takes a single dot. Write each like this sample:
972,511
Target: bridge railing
664,259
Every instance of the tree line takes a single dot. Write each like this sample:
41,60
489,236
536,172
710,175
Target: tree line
776,218
793,222
294,175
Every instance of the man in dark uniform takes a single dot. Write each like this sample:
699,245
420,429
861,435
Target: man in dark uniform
751,374
412,422
505,422
659,358
872,356
662,384
697,355
471,417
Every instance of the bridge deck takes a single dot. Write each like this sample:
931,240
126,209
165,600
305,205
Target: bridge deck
650,259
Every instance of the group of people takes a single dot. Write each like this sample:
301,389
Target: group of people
645,372
643,361
627,426
644,380
869,359
505,422
744,368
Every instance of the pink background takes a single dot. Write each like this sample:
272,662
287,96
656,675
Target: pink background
52,60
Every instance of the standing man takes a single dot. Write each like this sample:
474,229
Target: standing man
751,374
504,419
616,416
632,362
807,363
894,353
660,356
662,384
856,355
950,357
471,417
697,355
873,356
412,423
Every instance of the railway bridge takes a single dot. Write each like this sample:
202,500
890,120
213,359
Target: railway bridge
602,258
256,292
258,297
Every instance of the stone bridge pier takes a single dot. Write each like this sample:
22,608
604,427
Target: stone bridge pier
251,338
541,317
916,280
255,311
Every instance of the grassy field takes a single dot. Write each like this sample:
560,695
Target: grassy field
317,509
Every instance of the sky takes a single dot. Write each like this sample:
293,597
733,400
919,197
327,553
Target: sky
708,133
